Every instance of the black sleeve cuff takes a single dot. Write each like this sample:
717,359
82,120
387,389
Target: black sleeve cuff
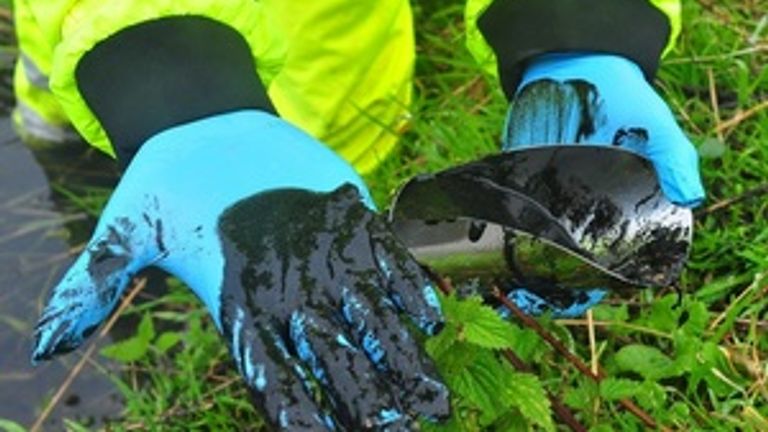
162,73
519,30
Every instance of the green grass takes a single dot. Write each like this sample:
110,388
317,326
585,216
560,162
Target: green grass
700,366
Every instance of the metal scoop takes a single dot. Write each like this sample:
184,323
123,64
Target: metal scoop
573,216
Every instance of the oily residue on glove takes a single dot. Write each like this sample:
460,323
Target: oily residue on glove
82,300
309,306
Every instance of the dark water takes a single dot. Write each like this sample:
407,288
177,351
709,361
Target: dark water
40,234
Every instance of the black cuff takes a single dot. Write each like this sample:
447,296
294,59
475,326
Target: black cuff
162,73
519,30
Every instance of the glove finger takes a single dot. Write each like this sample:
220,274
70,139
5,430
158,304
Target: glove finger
280,385
548,112
362,399
88,292
677,164
377,329
545,112
407,284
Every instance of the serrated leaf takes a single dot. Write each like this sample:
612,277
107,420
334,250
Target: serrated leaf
512,421
478,324
460,356
687,349
450,425
527,394
698,319
618,388
581,397
708,359
133,348
651,396
528,345
479,382
663,315
440,345
647,361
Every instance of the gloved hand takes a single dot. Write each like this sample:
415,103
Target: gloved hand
598,99
278,237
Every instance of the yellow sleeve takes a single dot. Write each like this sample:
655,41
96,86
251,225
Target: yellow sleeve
339,69
37,115
347,74
486,59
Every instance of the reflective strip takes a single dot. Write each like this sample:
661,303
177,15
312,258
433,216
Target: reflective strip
36,126
35,76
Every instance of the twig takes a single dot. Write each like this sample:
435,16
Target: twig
75,371
599,323
755,36
575,361
592,343
720,205
732,304
593,354
547,336
718,57
740,117
713,100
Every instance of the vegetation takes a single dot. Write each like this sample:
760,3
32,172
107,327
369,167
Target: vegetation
701,365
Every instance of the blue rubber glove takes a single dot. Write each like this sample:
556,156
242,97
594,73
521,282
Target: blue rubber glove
598,99
278,237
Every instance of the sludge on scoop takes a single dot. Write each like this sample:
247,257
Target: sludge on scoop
575,216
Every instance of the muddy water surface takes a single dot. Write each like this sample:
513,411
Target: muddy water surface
40,232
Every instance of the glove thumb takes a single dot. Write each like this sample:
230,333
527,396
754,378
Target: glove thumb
90,288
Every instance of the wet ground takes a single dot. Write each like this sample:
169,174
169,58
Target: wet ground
41,231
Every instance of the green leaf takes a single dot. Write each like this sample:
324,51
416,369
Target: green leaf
146,328
605,312
698,319
73,426
526,393
712,148
478,383
708,359
478,324
721,287
652,396
663,315
458,358
9,426
528,345
647,361
618,388
167,340
451,425
582,396
133,348
512,421
440,345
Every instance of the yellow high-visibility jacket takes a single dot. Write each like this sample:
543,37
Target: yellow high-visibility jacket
339,69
